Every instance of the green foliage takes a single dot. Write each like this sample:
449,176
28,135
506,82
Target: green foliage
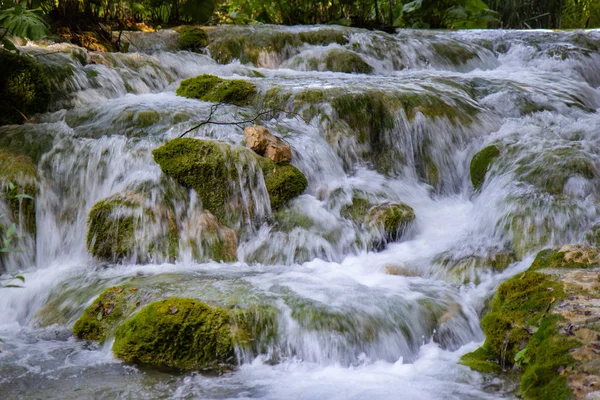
175,333
24,88
17,21
438,14
212,88
578,14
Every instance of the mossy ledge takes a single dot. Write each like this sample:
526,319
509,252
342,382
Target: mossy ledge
218,90
536,325
208,167
177,333
111,307
480,163
24,88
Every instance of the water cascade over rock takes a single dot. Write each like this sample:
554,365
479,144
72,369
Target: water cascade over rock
394,232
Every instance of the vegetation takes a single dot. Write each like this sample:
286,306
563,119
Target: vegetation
212,88
175,333
480,163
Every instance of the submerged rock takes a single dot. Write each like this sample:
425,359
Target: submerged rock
480,163
265,144
390,219
541,323
101,318
121,227
211,169
346,61
176,333
218,90
24,88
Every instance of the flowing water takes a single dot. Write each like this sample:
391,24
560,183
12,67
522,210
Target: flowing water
345,328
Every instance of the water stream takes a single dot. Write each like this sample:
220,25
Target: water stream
345,327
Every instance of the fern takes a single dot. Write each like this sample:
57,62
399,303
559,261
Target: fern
17,21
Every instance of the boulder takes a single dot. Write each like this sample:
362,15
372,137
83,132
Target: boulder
218,90
265,144
177,333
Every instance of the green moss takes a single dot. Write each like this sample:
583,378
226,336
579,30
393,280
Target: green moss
24,88
480,164
175,333
454,52
212,88
479,360
550,169
284,182
147,118
570,256
392,218
100,319
192,39
346,61
356,211
324,37
110,233
207,167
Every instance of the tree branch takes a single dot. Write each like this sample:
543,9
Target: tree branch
239,124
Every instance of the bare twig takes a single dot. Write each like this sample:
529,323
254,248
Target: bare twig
239,124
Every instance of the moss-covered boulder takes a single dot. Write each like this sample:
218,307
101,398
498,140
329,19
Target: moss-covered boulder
101,318
390,219
480,163
218,90
465,269
177,333
346,61
540,324
24,88
211,169
192,39
120,227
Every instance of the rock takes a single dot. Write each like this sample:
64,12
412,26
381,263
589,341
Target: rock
218,90
210,168
192,39
401,271
194,337
480,163
544,323
24,88
100,319
265,144
346,61
127,227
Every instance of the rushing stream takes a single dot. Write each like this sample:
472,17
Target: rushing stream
352,323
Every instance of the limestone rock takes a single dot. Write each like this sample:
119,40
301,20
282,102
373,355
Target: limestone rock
265,144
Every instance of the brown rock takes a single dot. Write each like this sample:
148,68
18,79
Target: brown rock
265,144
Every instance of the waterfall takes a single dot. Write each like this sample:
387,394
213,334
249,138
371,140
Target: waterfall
370,117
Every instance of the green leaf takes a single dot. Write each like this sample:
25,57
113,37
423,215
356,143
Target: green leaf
13,286
24,23
412,6
19,277
22,196
99,316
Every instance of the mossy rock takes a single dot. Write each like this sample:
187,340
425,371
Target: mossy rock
209,168
392,218
218,90
100,319
118,229
480,163
346,61
324,37
523,330
177,333
18,186
192,39
24,88
569,256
